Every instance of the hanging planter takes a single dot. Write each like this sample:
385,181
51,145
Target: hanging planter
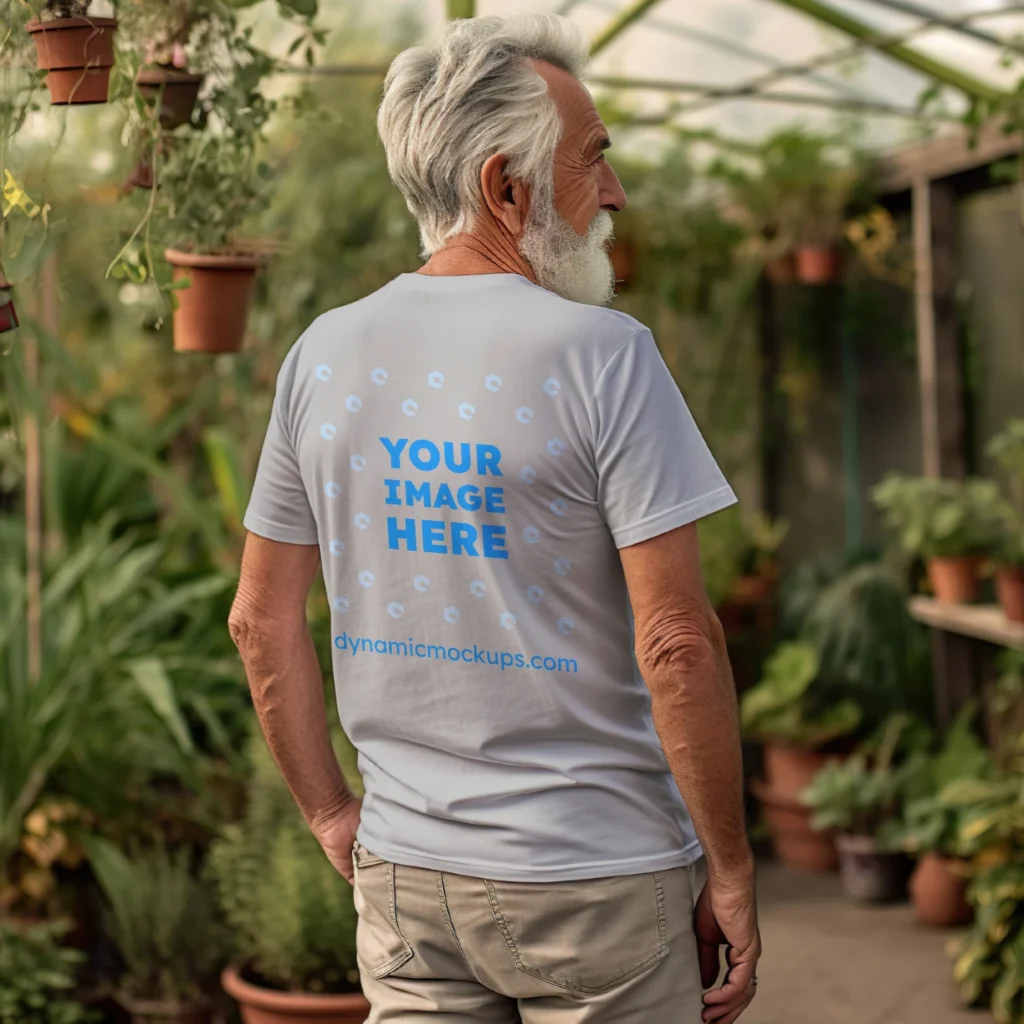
8,314
176,92
76,52
212,311
819,264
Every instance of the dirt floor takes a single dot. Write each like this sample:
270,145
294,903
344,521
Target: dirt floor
827,961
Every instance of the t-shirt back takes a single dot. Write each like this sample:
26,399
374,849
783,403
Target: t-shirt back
470,453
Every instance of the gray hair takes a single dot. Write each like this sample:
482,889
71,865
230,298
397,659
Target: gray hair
448,109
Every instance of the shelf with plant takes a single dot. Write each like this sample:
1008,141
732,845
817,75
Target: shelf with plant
952,524
858,800
291,914
162,917
1007,449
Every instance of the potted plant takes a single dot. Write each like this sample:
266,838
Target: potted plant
164,924
858,799
932,823
38,975
1007,448
75,49
952,524
990,958
291,913
168,88
209,185
796,722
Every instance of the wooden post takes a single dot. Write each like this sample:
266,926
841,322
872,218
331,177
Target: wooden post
940,365
771,422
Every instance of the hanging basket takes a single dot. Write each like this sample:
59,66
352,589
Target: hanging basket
175,91
213,310
8,314
819,264
77,54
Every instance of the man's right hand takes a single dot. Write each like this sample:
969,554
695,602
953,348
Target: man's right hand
727,915
337,836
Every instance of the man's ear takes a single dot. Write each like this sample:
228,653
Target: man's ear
507,199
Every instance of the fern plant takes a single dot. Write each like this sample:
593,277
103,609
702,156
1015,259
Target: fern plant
37,976
163,922
291,913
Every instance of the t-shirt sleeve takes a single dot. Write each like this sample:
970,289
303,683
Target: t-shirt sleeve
279,507
655,471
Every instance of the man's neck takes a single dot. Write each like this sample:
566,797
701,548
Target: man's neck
477,254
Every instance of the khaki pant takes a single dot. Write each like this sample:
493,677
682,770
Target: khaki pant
447,949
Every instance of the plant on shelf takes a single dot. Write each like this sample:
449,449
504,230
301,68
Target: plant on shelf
951,524
38,976
164,924
859,799
291,913
1007,449
933,821
76,49
795,718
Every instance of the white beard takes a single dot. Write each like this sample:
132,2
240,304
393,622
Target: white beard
576,267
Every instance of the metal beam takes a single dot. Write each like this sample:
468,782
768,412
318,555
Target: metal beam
461,9
619,24
804,68
859,30
953,24
726,45
845,103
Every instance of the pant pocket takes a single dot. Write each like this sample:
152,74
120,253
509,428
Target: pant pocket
584,936
380,946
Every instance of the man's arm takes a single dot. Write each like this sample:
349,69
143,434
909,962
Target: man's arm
681,652
269,628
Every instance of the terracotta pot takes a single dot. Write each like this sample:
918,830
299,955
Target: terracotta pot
213,310
795,843
149,1011
788,771
939,893
176,91
871,875
265,1006
781,269
621,255
78,54
1009,587
954,580
819,264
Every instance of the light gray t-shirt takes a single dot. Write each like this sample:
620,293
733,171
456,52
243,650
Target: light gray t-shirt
469,453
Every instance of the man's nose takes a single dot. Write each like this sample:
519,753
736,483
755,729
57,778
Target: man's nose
612,194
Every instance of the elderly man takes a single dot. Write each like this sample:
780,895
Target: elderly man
501,481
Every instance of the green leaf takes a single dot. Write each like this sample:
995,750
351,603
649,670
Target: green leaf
155,685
